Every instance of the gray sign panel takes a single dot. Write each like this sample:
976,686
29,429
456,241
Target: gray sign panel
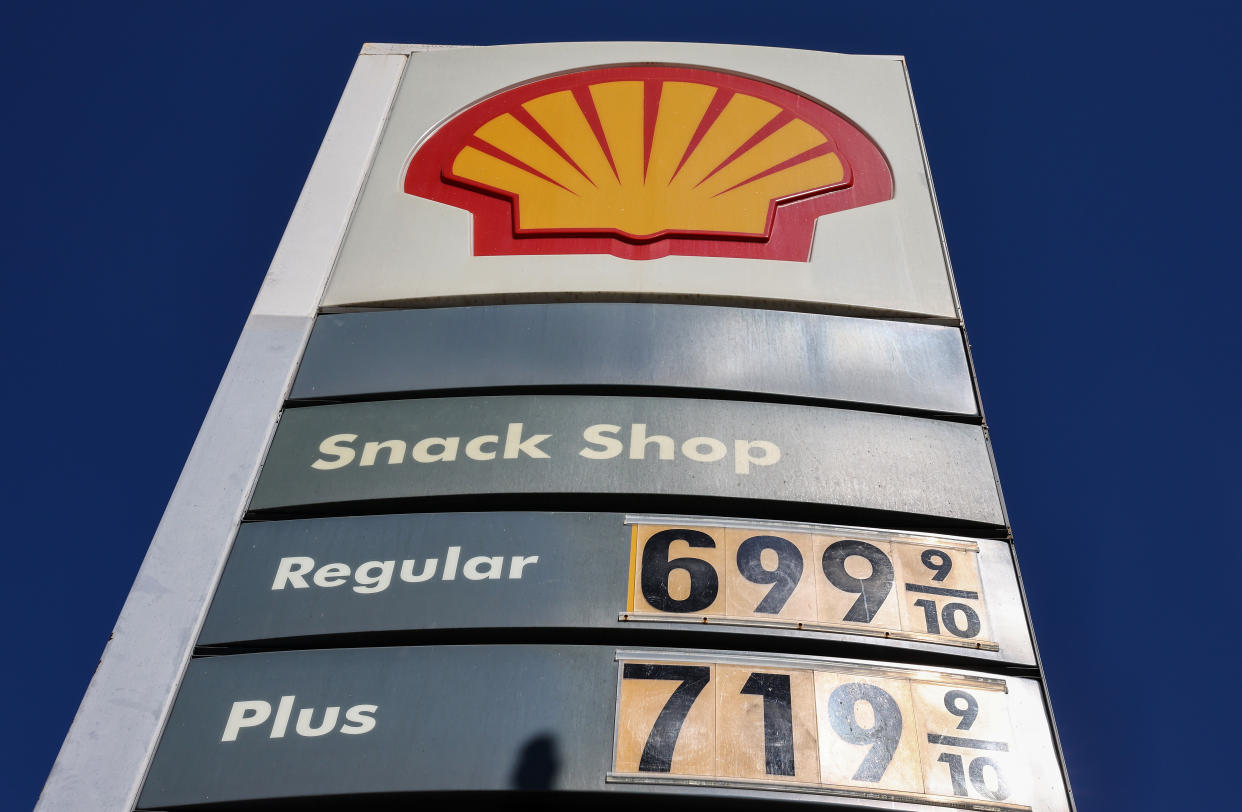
351,722
406,719
888,363
340,576
629,446
445,570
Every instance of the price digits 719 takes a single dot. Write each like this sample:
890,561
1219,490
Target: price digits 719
866,729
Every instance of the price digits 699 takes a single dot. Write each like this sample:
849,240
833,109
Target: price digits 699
904,736
872,585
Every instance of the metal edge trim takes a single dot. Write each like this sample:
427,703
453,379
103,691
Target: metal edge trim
814,789
76,780
808,626
898,536
808,663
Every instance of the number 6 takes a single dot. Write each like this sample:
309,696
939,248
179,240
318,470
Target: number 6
704,582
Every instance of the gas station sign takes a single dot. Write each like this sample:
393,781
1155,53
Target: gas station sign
605,429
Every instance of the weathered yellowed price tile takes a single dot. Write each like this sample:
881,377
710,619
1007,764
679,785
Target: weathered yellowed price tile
666,719
886,732
765,724
855,583
967,743
941,593
871,582
867,734
678,570
770,576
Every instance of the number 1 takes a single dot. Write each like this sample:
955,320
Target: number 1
778,750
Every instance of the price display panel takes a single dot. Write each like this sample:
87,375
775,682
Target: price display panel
284,727
852,730
886,584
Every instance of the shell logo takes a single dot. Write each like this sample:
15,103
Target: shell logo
646,161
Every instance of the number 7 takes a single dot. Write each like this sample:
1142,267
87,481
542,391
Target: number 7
657,754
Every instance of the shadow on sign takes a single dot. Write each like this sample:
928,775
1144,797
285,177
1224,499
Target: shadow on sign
537,765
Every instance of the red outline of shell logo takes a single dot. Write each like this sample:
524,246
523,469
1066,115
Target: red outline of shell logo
646,161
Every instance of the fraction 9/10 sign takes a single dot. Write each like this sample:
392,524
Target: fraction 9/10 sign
895,585
848,730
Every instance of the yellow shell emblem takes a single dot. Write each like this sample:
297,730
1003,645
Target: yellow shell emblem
710,186
642,161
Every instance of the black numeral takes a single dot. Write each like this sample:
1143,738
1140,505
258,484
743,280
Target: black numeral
939,561
929,615
968,714
957,775
981,785
778,748
657,754
872,590
949,615
970,627
883,735
704,582
784,578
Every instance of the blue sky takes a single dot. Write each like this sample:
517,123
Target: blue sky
1087,164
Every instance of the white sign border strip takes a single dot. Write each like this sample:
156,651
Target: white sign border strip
103,761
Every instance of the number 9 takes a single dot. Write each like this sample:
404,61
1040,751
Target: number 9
784,578
873,590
